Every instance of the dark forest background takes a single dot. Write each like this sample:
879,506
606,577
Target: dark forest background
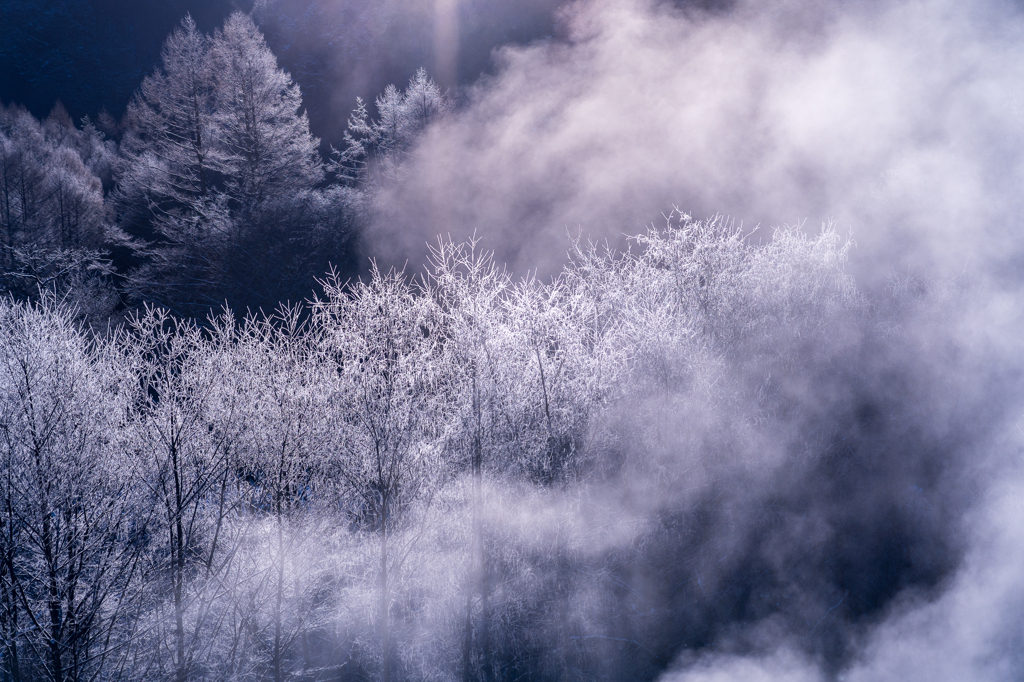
93,55
79,65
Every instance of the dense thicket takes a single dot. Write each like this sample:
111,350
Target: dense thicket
55,227
458,476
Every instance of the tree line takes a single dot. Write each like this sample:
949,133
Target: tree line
387,484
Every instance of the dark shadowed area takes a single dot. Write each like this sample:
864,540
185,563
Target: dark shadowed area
90,55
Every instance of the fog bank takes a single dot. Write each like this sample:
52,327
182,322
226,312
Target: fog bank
902,121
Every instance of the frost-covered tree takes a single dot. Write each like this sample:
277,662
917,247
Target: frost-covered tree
170,154
217,175
70,514
217,118
22,180
375,149
472,295
383,340
456,477
268,150
181,443
276,379
54,224
50,197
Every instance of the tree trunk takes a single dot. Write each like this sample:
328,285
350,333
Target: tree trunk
385,601
12,671
479,579
53,600
178,569
483,583
279,597
467,637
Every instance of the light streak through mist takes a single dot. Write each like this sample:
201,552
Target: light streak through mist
446,42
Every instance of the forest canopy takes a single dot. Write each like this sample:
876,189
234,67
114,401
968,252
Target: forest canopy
419,477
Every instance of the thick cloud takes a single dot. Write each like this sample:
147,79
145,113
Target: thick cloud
901,120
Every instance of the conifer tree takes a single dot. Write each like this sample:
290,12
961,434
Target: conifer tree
217,173
268,150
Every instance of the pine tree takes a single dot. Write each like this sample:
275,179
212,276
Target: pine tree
269,152
171,154
375,149
218,168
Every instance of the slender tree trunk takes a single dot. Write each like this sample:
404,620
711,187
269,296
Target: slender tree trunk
385,597
485,612
12,670
476,585
5,621
178,569
199,141
70,625
279,598
482,576
479,578
467,635
53,600
8,219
